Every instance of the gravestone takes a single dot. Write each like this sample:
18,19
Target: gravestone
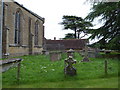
55,56
82,53
85,59
70,52
45,52
93,52
69,69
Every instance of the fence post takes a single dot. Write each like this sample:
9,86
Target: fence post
18,72
106,72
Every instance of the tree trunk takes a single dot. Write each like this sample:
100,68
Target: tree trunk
78,35
75,33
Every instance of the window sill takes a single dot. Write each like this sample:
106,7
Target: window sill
38,46
17,45
14,45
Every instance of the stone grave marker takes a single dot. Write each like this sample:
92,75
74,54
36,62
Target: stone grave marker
70,52
45,52
93,52
55,56
85,59
69,69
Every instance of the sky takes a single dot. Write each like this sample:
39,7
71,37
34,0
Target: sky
53,11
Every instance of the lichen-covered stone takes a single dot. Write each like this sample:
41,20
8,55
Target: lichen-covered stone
69,69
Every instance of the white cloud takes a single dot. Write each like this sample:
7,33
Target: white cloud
53,10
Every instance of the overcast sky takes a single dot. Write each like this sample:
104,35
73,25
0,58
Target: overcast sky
53,11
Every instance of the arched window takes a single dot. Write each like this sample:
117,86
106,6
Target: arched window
17,27
36,33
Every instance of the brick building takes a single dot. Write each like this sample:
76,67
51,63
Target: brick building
75,44
22,32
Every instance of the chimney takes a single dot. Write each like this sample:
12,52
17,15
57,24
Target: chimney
54,38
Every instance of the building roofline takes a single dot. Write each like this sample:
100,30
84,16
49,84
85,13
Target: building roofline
66,39
39,17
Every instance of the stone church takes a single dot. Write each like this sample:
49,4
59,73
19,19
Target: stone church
22,31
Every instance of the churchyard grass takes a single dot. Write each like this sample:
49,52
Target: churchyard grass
37,71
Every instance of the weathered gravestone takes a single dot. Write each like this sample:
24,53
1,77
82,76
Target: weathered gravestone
55,56
85,59
45,52
82,53
69,69
93,52
70,52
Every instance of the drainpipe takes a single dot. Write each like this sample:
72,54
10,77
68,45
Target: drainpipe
1,26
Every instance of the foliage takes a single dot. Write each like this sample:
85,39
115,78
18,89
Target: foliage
37,71
77,24
109,33
69,36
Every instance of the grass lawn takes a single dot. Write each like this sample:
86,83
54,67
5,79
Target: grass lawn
37,71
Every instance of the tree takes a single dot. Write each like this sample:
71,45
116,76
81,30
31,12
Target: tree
83,28
69,36
109,33
77,24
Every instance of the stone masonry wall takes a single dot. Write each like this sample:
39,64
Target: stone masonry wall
10,8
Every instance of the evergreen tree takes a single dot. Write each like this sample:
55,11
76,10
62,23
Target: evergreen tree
109,33
69,36
77,24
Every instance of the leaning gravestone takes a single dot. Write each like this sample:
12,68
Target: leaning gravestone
69,69
55,56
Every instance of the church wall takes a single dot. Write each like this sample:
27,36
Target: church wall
9,46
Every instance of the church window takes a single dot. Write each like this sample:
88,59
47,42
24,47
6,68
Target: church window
36,33
17,28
